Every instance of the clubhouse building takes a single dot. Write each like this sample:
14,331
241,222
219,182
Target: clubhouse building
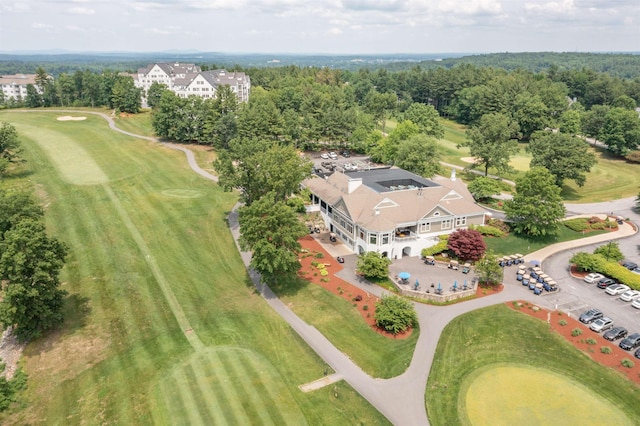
392,211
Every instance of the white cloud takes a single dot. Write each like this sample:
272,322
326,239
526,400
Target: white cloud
81,11
40,25
75,28
335,31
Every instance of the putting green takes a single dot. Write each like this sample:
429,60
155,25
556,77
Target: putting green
73,163
182,193
504,394
225,386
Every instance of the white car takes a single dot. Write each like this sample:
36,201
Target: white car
333,155
616,289
593,277
601,324
636,303
630,295
324,156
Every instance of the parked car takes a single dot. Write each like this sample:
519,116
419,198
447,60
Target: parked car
637,354
616,289
593,278
630,295
636,271
615,333
590,316
631,342
324,156
601,324
630,265
636,303
333,155
346,154
605,282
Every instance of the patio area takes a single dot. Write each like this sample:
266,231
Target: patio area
436,282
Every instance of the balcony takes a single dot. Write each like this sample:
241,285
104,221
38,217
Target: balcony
405,235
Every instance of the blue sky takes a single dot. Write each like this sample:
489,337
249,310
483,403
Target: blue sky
321,26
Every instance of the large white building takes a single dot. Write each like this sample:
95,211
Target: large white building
15,86
188,79
392,211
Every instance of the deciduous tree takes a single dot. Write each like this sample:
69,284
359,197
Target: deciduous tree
372,264
492,142
9,146
420,154
270,229
488,269
564,155
537,206
426,118
30,263
395,314
467,244
483,187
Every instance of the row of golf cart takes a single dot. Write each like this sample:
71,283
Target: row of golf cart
453,264
536,279
514,259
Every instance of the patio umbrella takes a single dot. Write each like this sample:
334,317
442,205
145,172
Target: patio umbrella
465,284
455,284
404,275
417,284
439,286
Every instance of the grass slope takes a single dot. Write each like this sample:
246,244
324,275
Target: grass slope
497,334
161,324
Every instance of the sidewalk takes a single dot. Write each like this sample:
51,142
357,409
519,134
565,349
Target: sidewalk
624,230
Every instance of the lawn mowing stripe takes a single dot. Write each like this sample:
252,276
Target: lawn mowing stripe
229,389
174,305
211,363
200,395
252,403
268,383
186,398
202,375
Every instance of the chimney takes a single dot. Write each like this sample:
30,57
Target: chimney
453,175
354,183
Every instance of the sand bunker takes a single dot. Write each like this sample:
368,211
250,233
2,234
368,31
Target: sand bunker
70,118
469,159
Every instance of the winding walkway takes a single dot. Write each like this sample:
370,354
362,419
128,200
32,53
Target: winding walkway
401,399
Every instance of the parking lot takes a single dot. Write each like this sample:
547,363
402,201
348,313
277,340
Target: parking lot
576,296
352,162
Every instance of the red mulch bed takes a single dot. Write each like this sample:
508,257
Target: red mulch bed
482,290
338,286
611,360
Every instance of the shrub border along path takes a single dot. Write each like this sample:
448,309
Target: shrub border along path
400,399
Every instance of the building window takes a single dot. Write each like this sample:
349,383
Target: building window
425,227
373,239
461,221
385,239
361,234
446,224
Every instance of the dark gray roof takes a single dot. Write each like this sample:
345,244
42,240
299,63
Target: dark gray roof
387,180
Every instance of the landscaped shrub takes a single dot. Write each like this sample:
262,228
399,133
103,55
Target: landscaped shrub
627,363
576,332
562,322
488,231
605,350
599,225
395,314
373,265
591,341
633,156
438,248
577,225
467,244
319,255
365,307
501,225
324,272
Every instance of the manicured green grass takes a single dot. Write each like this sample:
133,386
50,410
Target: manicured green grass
525,395
140,124
489,337
159,304
611,178
515,243
340,322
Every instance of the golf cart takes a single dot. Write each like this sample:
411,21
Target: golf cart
429,260
332,237
454,264
466,268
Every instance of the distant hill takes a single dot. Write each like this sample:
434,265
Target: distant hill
625,65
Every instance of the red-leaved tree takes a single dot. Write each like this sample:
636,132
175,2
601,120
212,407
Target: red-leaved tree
467,244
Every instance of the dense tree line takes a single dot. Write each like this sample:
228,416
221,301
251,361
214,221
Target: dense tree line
81,89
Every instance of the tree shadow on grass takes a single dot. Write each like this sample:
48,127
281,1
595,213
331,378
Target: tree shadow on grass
569,194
